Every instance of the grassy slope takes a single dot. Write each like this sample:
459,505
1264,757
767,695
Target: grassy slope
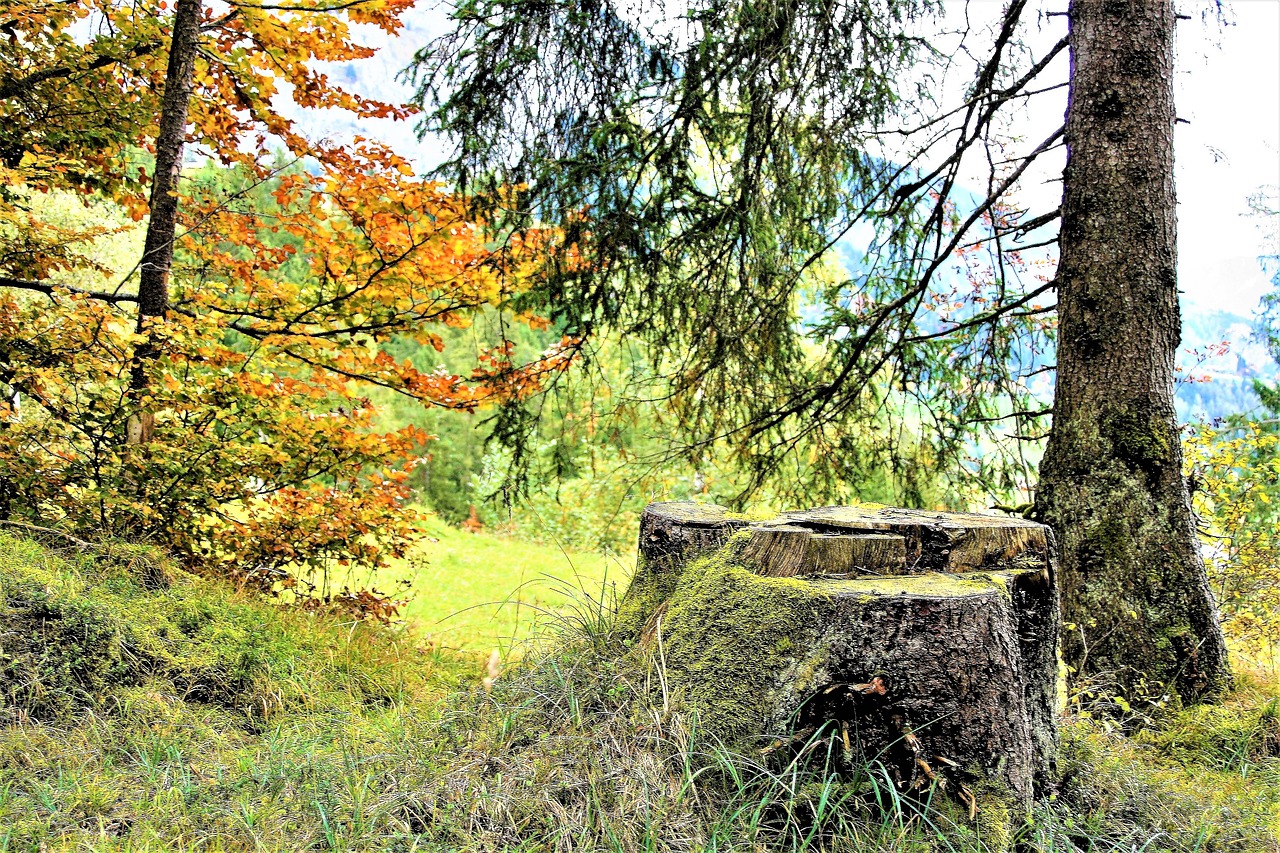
144,709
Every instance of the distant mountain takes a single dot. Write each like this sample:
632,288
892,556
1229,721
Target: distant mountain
1218,358
1218,361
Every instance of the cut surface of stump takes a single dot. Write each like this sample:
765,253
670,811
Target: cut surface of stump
791,550
924,641
841,555
937,541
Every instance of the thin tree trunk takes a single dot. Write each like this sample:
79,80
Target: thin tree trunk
1136,602
157,258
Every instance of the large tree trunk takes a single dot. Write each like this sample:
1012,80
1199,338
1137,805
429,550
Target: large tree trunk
157,257
1139,614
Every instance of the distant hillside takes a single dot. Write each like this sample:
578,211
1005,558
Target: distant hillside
1218,352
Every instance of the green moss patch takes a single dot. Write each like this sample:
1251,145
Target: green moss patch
1139,440
729,635
81,631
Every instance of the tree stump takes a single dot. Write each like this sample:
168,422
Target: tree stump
924,642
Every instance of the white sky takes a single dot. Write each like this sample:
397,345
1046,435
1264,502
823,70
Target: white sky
1228,88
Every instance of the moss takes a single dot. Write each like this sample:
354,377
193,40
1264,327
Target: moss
646,593
752,514
1137,439
1138,604
991,819
83,631
729,674
730,638
997,817
652,587
1107,553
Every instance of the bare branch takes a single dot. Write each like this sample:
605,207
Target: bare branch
52,290
284,7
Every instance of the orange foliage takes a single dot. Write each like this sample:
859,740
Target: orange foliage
288,279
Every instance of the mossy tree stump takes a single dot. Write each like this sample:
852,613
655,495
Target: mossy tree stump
925,642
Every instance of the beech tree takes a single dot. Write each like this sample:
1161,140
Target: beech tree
705,165
215,397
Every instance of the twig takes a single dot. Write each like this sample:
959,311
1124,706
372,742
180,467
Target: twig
49,530
50,289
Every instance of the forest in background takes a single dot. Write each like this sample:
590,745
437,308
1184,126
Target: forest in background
270,354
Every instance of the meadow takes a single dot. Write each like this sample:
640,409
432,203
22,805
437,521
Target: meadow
146,708
477,591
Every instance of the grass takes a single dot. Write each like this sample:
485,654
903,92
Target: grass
145,709
479,591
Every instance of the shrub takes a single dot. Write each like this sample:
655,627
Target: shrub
1235,471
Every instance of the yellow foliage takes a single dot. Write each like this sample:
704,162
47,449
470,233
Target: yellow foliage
228,420
1235,472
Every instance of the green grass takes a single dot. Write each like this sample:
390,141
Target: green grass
480,591
145,709
142,707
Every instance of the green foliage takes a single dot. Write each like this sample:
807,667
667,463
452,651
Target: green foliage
452,463
708,166
601,452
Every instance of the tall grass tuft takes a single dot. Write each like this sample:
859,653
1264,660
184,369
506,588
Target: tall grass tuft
583,746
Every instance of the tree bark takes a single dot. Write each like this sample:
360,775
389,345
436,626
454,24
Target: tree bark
1136,601
157,257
